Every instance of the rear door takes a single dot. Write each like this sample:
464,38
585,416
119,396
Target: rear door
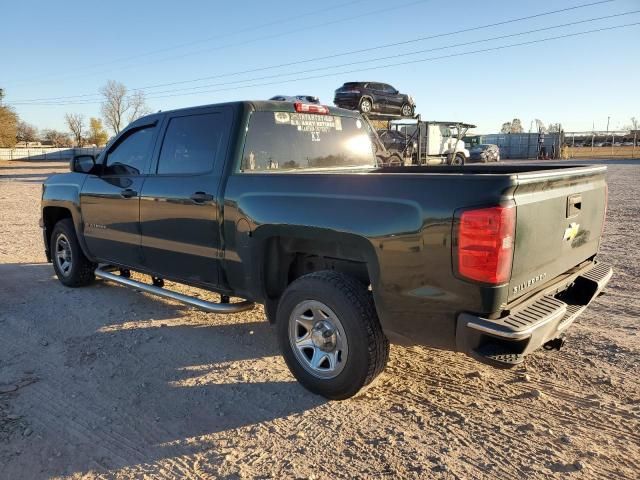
179,208
110,203
559,221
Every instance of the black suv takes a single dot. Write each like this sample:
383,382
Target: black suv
375,97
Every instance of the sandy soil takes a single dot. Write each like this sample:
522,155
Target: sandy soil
104,382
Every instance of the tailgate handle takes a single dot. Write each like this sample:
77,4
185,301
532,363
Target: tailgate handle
574,205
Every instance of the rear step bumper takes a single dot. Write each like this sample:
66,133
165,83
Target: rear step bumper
506,341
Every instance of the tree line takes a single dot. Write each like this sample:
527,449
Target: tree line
119,107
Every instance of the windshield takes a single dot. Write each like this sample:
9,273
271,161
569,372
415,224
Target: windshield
287,141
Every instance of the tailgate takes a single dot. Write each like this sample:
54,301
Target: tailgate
559,221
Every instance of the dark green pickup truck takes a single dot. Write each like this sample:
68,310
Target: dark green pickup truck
283,204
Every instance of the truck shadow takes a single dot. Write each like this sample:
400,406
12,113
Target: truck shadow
134,379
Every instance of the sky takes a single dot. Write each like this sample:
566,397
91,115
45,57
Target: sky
57,55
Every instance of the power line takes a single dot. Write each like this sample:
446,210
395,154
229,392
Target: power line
429,59
473,42
501,37
249,41
341,54
222,35
501,47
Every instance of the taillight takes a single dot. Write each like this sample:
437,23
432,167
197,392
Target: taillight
350,91
310,108
485,244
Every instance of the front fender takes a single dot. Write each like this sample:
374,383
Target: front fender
63,191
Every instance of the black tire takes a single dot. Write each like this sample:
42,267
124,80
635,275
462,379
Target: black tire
79,271
457,160
407,110
395,160
368,348
366,105
271,310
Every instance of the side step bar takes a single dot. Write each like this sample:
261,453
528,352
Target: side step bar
211,307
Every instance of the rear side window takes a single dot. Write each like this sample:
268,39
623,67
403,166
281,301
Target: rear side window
130,155
294,142
191,144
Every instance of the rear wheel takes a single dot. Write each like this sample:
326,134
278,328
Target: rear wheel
395,160
72,268
330,335
365,105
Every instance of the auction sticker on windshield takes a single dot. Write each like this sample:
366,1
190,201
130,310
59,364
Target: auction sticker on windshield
307,122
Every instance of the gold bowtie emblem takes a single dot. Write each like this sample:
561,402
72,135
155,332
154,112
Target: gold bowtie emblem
572,231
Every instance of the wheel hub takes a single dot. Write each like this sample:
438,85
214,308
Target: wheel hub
323,336
318,339
63,254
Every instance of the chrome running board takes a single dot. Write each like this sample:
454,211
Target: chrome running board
162,292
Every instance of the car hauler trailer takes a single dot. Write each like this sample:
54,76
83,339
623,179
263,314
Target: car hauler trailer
427,142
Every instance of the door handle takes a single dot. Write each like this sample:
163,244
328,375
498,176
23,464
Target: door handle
128,193
201,197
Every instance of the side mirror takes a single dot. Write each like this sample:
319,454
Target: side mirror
82,163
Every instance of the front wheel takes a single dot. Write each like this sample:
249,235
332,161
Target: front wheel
458,159
72,268
407,110
330,335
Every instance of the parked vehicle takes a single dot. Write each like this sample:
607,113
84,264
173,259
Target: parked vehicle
283,204
485,152
374,97
399,142
437,142
297,98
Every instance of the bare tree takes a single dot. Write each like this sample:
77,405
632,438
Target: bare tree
506,127
25,132
137,106
75,122
57,138
540,125
114,104
118,104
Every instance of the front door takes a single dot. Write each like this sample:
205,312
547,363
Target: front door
110,202
393,98
179,208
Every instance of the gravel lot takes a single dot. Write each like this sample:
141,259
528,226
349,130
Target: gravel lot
104,382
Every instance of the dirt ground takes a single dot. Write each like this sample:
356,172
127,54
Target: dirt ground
104,382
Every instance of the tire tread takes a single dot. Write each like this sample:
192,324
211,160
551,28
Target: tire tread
358,295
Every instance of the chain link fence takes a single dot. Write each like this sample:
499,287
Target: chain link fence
617,144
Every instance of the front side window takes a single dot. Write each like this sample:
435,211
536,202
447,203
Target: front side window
298,142
131,154
445,131
191,144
